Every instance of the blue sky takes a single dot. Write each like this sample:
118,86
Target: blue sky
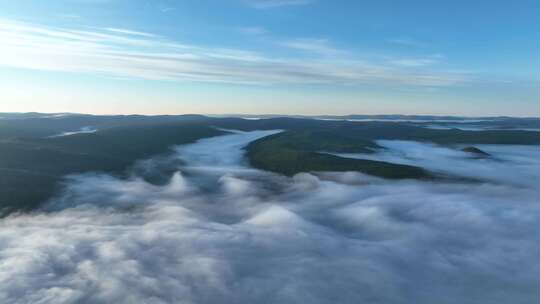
271,56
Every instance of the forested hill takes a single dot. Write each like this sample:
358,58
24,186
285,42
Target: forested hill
38,150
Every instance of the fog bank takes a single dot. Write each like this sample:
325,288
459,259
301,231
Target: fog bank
222,232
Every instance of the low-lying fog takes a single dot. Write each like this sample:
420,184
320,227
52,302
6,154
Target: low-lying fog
83,130
509,164
473,127
220,232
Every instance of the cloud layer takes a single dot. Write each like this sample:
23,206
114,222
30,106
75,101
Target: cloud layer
454,161
220,232
134,54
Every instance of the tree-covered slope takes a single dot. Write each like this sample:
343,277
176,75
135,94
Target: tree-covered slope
300,148
293,152
31,168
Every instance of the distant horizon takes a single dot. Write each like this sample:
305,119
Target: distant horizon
269,115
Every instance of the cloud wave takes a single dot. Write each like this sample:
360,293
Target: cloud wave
238,235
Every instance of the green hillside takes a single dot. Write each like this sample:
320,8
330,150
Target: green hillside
293,152
32,168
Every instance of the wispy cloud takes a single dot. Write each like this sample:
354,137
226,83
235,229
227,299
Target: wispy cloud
129,32
418,62
317,46
414,62
126,53
264,4
166,9
69,16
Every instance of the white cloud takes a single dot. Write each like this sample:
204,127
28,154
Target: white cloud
167,9
418,62
414,62
317,46
126,53
222,233
129,32
453,161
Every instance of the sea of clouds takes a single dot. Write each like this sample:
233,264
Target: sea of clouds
220,232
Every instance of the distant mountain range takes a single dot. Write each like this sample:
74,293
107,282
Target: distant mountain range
399,117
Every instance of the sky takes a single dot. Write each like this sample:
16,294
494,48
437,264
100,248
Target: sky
471,58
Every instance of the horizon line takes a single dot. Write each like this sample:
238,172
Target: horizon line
275,115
